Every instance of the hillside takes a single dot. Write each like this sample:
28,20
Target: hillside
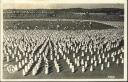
113,14
73,10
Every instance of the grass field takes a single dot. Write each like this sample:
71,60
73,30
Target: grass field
56,24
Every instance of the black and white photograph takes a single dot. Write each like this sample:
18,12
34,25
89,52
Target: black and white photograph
63,41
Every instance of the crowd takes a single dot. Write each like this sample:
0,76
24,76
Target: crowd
32,49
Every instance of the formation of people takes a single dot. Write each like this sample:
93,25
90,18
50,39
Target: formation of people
84,50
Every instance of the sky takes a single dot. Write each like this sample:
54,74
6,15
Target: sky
59,4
